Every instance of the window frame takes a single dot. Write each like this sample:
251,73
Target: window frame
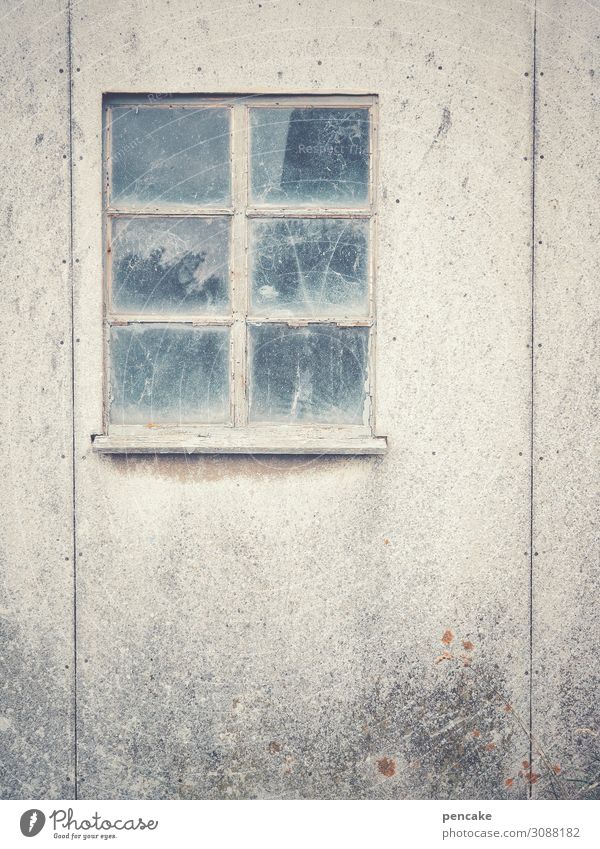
239,435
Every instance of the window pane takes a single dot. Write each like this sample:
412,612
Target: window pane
309,156
311,374
171,374
178,265
309,266
162,156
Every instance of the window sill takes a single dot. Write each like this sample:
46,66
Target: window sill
249,440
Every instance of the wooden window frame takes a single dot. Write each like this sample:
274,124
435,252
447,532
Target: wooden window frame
240,436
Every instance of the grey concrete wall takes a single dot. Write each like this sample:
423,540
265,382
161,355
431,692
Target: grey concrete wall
332,627
566,394
36,533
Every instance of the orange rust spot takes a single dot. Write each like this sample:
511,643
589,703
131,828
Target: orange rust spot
509,782
467,661
532,777
151,424
556,769
387,767
490,747
447,637
468,645
274,747
476,732
386,541
525,764
507,708
444,656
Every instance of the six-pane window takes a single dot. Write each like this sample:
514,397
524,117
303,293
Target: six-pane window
239,261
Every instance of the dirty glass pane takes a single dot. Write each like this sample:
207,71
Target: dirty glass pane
310,156
309,266
178,265
165,373
313,374
162,156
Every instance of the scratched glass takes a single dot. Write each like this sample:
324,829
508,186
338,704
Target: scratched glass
308,375
309,156
163,156
309,267
167,374
177,265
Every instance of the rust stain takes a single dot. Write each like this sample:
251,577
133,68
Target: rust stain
507,708
386,541
490,747
444,656
556,769
274,747
467,661
476,732
532,777
525,764
387,767
447,637
468,645
509,782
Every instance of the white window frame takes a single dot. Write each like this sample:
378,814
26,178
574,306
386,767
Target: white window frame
241,436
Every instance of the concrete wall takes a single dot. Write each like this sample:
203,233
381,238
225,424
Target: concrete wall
332,627
36,530
566,589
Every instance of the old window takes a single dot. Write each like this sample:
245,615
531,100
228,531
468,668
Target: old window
239,306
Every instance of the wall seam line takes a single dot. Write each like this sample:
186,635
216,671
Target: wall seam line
532,389
73,442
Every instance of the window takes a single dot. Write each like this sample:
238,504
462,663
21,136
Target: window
239,307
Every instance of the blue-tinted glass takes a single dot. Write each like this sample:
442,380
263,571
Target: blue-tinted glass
162,156
315,374
309,266
310,156
169,374
177,265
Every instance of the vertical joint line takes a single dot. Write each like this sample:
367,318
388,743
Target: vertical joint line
73,444
532,387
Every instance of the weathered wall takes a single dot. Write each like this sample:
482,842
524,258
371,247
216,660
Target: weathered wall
566,588
36,540
295,627
271,628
